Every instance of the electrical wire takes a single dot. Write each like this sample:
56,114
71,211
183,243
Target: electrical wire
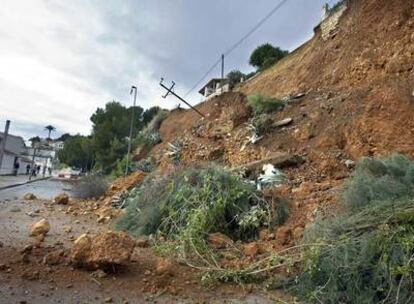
238,43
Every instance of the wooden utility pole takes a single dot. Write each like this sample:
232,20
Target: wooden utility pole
222,72
170,91
3,142
131,128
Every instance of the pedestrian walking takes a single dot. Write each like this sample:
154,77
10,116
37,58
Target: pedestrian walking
16,168
27,169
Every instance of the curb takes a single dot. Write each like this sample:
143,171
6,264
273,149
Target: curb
25,183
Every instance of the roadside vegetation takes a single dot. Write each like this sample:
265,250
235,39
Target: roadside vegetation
365,255
90,186
186,206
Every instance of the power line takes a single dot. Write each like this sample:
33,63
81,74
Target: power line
239,42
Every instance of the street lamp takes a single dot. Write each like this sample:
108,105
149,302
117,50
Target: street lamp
133,90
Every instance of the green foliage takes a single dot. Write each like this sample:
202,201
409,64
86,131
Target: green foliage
261,123
266,55
77,152
189,204
365,255
373,180
235,77
110,131
262,105
90,186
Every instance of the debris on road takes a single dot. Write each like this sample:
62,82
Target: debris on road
103,250
40,228
61,199
29,197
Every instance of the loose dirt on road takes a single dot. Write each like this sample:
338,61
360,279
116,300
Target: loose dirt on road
38,272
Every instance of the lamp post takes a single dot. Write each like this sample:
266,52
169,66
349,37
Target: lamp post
133,90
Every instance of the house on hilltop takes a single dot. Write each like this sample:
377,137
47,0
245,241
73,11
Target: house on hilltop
215,87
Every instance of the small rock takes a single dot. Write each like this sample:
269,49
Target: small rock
164,266
251,249
61,199
108,300
42,227
67,229
219,240
142,242
29,197
54,258
284,235
99,274
15,209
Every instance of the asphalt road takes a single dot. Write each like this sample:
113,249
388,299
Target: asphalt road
45,189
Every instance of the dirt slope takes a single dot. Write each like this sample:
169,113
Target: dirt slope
359,101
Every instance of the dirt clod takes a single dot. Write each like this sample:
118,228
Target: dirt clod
29,197
41,227
103,250
61,199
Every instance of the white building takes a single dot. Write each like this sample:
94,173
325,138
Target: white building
215,87
15,152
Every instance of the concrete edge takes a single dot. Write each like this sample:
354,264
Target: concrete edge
25,183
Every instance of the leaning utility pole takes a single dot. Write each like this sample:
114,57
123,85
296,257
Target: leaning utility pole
133,90
170,91
3,142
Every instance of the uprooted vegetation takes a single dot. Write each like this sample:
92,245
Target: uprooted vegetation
365,255
188,205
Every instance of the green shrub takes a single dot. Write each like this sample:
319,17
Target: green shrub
189,204
367,254
90,186
373,180
261,123
262,105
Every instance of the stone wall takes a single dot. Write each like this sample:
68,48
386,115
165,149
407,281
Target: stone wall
328,26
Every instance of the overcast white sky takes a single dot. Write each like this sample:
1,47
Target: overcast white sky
61,59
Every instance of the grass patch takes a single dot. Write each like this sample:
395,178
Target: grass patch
367,254
261,105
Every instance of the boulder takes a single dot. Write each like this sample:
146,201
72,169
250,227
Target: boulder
61,199
29,197
41,227
218,240
103,250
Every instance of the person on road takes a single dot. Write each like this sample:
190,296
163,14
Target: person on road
38,169
16,168
27,169
34,170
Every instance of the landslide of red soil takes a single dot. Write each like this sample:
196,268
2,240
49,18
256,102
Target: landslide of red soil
359,101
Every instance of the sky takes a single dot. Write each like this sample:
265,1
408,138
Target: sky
60,60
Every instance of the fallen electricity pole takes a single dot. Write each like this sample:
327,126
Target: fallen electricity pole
170,91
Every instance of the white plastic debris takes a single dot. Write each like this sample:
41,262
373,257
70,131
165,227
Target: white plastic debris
270,176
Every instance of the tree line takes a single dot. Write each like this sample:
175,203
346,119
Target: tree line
108,141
